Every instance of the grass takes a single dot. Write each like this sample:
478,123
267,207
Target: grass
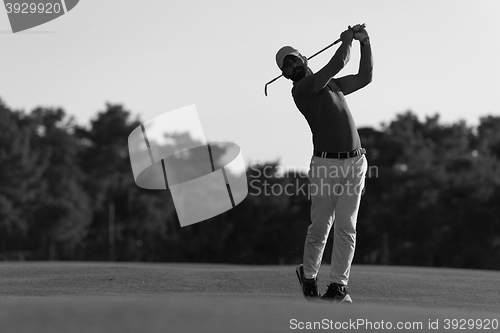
139,297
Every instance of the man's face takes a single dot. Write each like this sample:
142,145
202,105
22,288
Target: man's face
294,68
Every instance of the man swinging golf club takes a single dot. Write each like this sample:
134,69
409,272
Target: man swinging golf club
338,165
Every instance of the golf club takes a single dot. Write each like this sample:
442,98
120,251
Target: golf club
315,54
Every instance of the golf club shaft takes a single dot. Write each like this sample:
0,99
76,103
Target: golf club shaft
326,48
315,54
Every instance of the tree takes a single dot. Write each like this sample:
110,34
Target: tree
61,213
21,166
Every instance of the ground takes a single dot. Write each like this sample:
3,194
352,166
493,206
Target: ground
139,297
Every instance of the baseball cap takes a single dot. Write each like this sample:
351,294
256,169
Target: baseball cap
283,52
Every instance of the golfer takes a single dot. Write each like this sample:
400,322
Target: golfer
338,165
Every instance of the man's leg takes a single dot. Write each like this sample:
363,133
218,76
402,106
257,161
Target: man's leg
344,230
323,204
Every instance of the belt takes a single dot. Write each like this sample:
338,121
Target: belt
339,155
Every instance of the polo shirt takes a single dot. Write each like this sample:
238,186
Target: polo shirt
326,111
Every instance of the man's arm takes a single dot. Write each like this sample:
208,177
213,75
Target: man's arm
338,61
350,83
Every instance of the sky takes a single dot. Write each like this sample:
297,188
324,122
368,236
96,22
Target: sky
155,56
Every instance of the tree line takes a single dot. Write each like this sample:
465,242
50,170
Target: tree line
67,193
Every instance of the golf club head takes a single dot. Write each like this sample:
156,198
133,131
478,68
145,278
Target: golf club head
265,87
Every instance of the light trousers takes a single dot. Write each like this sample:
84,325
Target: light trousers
335,189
